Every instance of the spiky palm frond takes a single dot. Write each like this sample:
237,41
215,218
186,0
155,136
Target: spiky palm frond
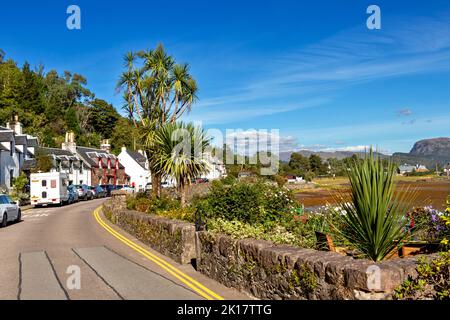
180,151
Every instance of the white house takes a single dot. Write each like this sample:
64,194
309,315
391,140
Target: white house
16,152
136,166
216,168
86,165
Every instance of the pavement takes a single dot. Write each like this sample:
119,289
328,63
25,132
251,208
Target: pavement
65,253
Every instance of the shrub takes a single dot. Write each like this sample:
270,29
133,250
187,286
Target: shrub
247,202
240,230
19,189
143,203
184,214
374,218
432,281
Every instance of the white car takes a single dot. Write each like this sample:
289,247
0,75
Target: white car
9,211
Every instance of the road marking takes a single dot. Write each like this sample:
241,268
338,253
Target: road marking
129,280
191,283
38,279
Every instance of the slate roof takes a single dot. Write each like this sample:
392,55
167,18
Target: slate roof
6,136
54,151
91,155
139,158
32,142
20,139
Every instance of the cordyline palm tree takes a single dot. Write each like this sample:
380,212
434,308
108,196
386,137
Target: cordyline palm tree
375,217
157,92
180,151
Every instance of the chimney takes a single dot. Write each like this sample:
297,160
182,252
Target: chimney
69,143
124,148
15,125
105,146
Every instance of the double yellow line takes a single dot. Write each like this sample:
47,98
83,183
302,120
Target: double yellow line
188,281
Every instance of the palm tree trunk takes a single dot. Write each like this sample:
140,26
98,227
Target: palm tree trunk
156,185
183,195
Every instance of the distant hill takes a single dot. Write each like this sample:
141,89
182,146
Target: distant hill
428,152
438,147
286,156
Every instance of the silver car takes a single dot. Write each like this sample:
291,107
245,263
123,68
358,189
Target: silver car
9,211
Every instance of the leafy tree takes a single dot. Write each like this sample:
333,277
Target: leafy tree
316,164
156,91
124,134
179,154
43,162
103,117
72,121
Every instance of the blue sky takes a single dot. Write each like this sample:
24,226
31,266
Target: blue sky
311,69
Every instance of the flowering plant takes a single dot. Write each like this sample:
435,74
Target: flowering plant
429,224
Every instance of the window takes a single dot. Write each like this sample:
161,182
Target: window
11,150
8,200
3,200
53,184
44,183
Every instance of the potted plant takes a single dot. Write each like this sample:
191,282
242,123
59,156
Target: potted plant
427,228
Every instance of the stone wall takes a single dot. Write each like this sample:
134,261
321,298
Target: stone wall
261,268
175,239
269,271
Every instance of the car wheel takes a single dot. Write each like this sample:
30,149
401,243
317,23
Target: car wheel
19,217
4,221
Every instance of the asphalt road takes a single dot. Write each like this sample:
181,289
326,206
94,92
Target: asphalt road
59,253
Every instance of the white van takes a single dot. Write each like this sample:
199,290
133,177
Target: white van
49,188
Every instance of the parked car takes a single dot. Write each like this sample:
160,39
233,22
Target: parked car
128,189
94,193
9,211
108,189
73,194
84,192
99,192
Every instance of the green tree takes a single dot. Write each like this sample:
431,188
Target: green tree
103,117
180,149
316,164
159,92
124,134
43,162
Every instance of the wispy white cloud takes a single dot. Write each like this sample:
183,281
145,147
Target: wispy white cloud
405,112
347,58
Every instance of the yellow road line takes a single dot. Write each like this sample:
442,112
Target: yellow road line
191,283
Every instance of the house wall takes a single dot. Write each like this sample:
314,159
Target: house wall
138,175
97,176
8,163
76,177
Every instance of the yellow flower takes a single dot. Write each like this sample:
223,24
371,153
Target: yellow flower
444,242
